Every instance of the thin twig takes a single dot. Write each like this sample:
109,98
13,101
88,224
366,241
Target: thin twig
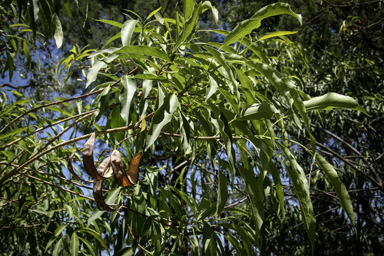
55,103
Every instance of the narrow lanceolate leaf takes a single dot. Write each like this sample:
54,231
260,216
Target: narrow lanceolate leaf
188,8
110,198
57,232
57,247
189,26
13,132
246,27
127,98
92,73
105,97
256,111
221,60
211,89
277,33
127,31
146,50
333,100
113,23
151,77
74,245
301,190
58,31
222,193
206,6
242,29
340,188
276,9
91,248
161,117
254,197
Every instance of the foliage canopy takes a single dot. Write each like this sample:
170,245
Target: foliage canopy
214,123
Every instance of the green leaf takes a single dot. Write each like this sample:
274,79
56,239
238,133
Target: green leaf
254,197
188,8
206,6
161,117
27,54
153,13
278,185
236,245
222,193
91,248
127,98
211,89
40,211
221,60
245,27
74,245
13,132
256,111
92,73
113,23
111,196
151,77
333,100
274,34
58,31
105,97
127,31
57,247
59,230
276,9
143,49
301,190
242,29
340,188
189,26
96,236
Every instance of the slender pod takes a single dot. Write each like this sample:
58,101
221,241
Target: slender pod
89,165
98,195
70,169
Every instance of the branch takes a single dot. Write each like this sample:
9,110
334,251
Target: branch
348,162
55,103
353,149
14,87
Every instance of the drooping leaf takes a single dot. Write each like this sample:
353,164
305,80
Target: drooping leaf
58,31
301,189
92,73
341,190
333,100
111,196
127,98
256,111
127,31
143,49
222,193
211,89
246,27
188,8
74,245
161,117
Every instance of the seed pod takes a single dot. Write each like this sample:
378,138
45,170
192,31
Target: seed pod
70,169
133,170
98,195
88,158
121,176
105,168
